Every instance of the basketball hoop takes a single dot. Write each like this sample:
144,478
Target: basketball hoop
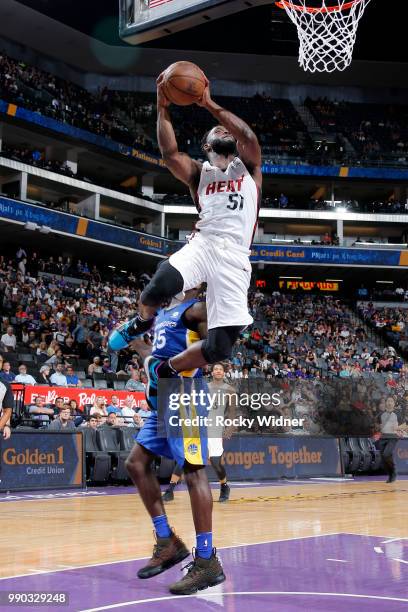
327,31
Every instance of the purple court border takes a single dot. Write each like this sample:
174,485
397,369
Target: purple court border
323,573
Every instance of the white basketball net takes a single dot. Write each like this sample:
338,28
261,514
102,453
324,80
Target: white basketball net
326,34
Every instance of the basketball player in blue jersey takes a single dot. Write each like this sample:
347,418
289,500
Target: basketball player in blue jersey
180,325
226,189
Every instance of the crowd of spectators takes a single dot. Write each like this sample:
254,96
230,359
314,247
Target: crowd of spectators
62,100
324,363
307,337
375,131
55,328
56,317
390,322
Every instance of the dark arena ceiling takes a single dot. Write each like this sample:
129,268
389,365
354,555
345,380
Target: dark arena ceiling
263,30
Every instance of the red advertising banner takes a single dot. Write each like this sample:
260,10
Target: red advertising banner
82,396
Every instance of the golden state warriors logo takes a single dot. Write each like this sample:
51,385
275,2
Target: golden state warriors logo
192,449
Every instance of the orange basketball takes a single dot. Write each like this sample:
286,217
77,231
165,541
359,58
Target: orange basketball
184,83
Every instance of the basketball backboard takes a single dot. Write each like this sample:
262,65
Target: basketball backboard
144,20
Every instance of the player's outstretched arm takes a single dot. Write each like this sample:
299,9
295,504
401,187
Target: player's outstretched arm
180,165
248,145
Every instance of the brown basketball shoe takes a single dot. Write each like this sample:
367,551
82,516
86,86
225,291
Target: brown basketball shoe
202,573
166,553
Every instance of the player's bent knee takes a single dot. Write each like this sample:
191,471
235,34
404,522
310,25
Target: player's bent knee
165,284
218,345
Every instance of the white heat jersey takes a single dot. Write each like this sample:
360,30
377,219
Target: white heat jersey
228,202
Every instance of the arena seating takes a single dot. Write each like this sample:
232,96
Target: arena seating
98,461
317,341
376,132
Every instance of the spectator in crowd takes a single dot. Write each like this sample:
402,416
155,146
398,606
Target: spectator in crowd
9,340
74,408
58,378
55,359
144,410
41,350
80,334
111,419
234,373
44,377
114,405
133,364
92,422
131,418
283,201
63,422
5,371
68,349
40,412
71,377
94,340
23,377
99,408
134,383
59,402
106,365
21,254
95,366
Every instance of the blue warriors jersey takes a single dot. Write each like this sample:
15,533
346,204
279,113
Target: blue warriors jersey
171,335
159,435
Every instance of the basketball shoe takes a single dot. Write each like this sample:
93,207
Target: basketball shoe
201,574
168,495
121,337
166,553
224,493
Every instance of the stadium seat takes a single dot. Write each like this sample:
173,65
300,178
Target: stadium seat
86,383
99,376
81,374
345,454
87,409
366,456
108,441
355,455
100,384
98,463
368,446
111,377
124,377
119,385
26,357
127,437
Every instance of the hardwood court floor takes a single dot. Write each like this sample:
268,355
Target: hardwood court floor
46,534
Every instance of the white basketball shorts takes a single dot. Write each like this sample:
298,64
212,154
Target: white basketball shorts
215,447
226,269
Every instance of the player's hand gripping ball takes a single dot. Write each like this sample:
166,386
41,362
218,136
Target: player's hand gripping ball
183,83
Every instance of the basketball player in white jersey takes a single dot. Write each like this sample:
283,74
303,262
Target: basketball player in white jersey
226,189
